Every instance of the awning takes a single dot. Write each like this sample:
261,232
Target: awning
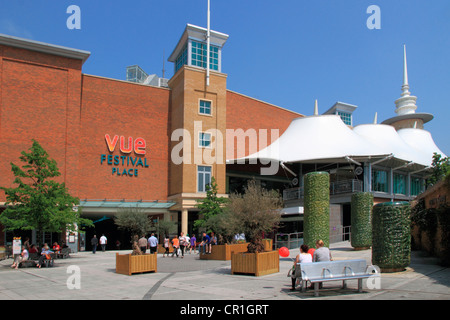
124,204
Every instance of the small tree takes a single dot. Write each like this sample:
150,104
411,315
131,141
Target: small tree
38,202
165,227
254,212
440,169
133,219
209,207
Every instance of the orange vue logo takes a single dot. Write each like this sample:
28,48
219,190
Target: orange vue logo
126,146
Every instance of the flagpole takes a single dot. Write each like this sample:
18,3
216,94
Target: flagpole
208,41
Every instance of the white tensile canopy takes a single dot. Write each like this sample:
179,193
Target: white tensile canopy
326,138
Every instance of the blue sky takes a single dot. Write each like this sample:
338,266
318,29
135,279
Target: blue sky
286,52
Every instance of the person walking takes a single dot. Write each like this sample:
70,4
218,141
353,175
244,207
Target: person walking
94,243
166,245
142,243
193,244
183,243
103,242
153,244
175,245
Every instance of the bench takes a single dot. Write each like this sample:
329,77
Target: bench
63,253
340,270
30,262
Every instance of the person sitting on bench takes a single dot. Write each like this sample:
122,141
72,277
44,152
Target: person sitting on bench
45,255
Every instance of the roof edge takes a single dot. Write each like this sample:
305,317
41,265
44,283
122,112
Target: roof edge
43,47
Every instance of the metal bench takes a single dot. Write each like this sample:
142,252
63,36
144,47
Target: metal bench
339,270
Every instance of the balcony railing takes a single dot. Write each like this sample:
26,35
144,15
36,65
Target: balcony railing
338,187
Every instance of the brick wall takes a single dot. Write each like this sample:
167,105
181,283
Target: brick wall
130,110
40,99
250,114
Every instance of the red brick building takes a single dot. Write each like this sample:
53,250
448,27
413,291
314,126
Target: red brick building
82,119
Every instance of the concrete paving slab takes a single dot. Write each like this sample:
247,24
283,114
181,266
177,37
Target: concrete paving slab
192,279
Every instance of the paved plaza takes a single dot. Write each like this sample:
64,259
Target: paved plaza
193,279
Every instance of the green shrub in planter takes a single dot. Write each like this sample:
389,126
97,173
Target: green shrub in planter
391,236
361,220
316,221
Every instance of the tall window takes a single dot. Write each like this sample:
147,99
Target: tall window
203,178
182,59
205,107
399,183
346,117
204,139
416,186
379,180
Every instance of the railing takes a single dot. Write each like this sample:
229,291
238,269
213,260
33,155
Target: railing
340,233
338,187
346,186
289,240
295,240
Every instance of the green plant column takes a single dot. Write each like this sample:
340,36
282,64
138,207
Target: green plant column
361,220
391,236
316,220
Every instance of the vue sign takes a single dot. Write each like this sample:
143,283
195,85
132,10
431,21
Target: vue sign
126,146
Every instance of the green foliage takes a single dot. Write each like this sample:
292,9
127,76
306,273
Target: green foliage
165,227
443,214
210,207
361,219
253,213
440,169
135,220
429,221
316,220
39,202
391,235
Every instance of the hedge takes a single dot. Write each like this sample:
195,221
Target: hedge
361,220
391,236
316,221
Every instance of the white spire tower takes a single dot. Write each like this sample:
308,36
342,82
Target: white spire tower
407,103
316,108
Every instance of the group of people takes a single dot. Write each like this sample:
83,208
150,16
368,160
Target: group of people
27,250
179,244
321,253
150,243
103,242
182,243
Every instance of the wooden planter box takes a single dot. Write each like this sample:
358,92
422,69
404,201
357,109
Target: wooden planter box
161,248
223,252
268,244
258,264
128,264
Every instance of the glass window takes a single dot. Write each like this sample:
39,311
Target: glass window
416,186
204,139
182,59
199,55
203,178
205,107
346,117
379,180
399,183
